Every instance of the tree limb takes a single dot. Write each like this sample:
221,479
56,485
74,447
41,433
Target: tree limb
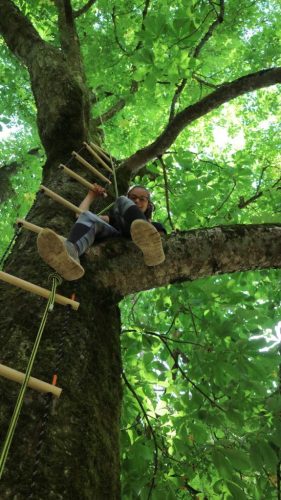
107,115
84,9
210,31
18,32
99,120
144,14
190,255
166,192
180,87
223,94
68,36
179,90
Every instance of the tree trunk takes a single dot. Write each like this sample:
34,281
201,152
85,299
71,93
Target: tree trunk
80,455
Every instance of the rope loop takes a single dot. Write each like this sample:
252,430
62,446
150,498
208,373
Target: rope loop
56,277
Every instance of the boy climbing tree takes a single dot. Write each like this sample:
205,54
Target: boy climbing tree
130,216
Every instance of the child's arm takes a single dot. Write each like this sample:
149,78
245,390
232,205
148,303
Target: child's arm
94,193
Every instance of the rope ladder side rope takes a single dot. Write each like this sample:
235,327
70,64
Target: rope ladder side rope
56,280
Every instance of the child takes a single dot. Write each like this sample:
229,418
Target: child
129,216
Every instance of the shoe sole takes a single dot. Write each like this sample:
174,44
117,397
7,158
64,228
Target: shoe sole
146,237
52,250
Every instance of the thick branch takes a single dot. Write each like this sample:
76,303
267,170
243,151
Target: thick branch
224,93
59,89
69,38
189,255
18,32
109,113
85,8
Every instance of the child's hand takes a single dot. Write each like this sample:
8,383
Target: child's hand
97,191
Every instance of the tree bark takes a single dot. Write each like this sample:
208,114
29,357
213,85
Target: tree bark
58,86
190,255
80,456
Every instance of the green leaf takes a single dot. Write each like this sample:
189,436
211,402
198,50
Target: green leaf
222,464
236,492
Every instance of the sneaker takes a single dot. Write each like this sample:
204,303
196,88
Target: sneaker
146,237
59,254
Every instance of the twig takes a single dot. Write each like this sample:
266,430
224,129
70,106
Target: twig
203,82
179,89
84,9
113,15
130,387
166,192
277,182
213,403
107,115
173,321
226,198
244,203
162,336
144,14
211,29
193,320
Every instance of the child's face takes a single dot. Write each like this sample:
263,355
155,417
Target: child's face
140,197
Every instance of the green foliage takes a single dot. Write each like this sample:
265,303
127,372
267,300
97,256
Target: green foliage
203,358
206,385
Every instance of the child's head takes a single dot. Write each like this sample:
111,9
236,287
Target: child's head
141,197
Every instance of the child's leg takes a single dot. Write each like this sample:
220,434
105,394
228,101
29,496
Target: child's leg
88,227
125,212
63,255
133,222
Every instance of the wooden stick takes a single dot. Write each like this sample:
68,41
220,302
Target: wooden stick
61,200
34,383
28,225
90,167
38,290
97,157
32,227
76,176
101,151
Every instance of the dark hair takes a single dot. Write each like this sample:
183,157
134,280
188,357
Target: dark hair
151,206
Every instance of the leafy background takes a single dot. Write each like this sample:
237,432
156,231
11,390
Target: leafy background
202,390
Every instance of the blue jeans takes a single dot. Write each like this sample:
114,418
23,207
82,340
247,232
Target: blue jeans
90,227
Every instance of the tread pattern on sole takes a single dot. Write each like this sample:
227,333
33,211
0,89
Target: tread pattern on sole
52,250
148,240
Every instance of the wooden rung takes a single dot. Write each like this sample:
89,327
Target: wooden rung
34,383
77,177
100,151
90,167
32,227
61,200
98,158
38,290
28,225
